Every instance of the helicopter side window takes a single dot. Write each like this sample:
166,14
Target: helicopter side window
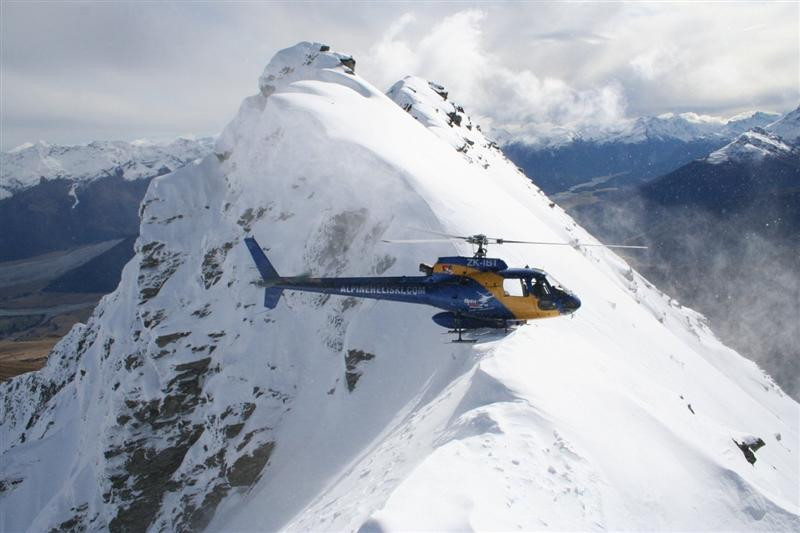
513,287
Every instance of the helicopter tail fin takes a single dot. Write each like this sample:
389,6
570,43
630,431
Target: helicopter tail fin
267,271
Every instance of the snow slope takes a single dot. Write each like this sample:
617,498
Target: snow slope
183,404
787,127
27,164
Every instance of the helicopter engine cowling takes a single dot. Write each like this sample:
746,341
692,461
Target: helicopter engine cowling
451,321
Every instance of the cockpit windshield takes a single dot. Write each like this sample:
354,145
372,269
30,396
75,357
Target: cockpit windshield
554,283
536,284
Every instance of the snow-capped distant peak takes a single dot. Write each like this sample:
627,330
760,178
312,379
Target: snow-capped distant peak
787,128
685,127
21,147
753,119
752,145
29,163
691,118
779,138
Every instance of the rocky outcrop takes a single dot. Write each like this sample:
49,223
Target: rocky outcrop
354,366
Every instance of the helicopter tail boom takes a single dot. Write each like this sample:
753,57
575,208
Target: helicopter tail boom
268,273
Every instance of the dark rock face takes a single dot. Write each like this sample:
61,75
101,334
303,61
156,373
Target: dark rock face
748,447
76,523
164,340
353,362
157,266
147,472
42,219
245,471
151,472
212,264
438,89
350,63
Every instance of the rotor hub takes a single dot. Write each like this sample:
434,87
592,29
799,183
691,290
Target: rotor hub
482,241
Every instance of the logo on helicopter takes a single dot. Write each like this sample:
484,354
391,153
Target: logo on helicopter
482,302
411,290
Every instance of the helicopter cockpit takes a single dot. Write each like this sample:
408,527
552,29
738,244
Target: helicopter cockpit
526,282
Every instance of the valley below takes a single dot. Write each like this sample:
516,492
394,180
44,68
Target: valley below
33,316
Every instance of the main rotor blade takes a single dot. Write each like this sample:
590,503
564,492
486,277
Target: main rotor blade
630,246
507,241
498,240
414,241
462,237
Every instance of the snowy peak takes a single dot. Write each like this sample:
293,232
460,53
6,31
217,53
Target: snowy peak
739,124
29,163
781,138
428,103
302,62
750,146
685,127
292,71
787,128
689,127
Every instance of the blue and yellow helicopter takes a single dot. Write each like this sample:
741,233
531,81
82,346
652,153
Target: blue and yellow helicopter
475,292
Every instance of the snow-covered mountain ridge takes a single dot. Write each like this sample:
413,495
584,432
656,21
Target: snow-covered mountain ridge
684,127
445,118
182,404
778,139
28,164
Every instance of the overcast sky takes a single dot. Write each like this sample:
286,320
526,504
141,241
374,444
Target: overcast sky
74,72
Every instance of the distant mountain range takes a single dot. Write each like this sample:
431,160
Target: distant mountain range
726,235
723,226
54,197
29,164
69,217
645,148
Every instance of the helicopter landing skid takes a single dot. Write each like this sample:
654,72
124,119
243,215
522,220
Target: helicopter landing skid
460,339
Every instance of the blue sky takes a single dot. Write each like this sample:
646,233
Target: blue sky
74,72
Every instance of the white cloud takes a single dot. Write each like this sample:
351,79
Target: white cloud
656,62
708,57
529,67
520,102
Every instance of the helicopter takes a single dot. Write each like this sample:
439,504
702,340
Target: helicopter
474,292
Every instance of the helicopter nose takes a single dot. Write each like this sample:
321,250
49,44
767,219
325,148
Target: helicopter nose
570,303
